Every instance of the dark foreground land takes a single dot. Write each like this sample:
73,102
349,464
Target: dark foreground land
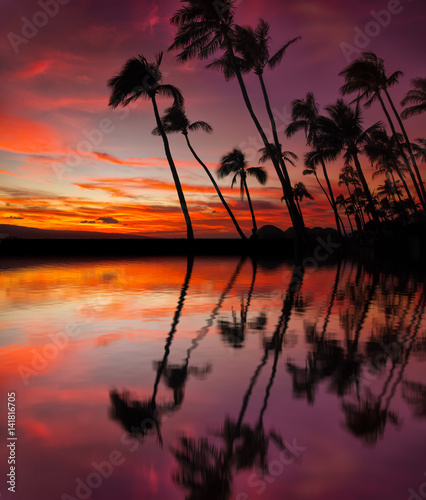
321,245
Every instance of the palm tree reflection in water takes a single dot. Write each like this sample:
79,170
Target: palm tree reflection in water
142,417
205,467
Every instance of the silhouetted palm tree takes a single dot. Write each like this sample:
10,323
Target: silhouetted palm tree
416,97
288,156
300,192
140,78
235,163
252,45
305,113
420,149
384,154
343,132
347,207
203,29
175,120
367,76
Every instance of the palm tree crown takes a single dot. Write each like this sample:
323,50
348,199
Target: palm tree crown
235,163
140,78
416,97
175,120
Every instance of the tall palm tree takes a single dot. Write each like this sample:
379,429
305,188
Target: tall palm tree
203,29
391,189
300,192
343,132
347,207
235,162
140,78
252,48
305,113
420,149
367,76
383,152
175,120
416,97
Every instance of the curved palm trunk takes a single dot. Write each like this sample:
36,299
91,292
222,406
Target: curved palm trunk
407,142
189,231
250,204
162,365
367,192
403,210
332,199
350,223
286,185
298,206
357,209
277,145
222,199
404,183
403,155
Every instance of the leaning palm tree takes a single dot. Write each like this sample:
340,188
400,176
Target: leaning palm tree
347,207
343,132
140,78
383,153
305,113
252,48
420,149
416,97
203,29
367,76
235,163
300,192
175,120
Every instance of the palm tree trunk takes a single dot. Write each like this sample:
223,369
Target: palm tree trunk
401,203
222,199
189,231
367,192
350,223
403,155
286,186
250,205
407,141
184,289
332,200
298,206
277,143
404,183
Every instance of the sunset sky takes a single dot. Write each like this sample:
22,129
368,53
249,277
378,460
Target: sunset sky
54,102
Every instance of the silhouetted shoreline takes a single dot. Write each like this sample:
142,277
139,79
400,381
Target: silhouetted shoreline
329,247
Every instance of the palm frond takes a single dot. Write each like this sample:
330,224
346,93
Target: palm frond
259,173
277,57
200,125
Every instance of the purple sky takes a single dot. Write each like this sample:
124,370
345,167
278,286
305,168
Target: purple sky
54,96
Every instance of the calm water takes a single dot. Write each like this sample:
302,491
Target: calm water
155,379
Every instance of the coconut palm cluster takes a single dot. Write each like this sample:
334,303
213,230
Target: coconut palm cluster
207,30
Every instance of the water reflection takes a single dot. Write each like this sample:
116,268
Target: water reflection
205,467
249,358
